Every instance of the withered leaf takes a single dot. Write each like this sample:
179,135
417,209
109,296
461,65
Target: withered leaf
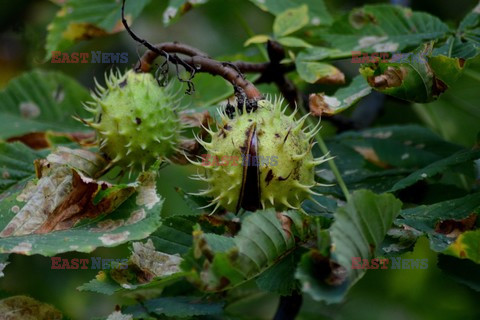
64,194
45,139
152,262
453,228
25,308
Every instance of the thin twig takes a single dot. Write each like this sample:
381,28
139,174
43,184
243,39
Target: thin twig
174,59
196,61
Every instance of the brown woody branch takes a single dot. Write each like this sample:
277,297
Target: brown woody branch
200,62
196,62
271,71
148,58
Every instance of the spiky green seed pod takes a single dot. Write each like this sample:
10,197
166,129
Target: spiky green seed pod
282,175
135,119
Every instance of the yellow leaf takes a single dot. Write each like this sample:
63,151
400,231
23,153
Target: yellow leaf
260,38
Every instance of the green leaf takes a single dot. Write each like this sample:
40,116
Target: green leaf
441,221
40,101
459,105
16,166
456,47
344,98
180,306
466,42
313,71
321,53
380,157
316,72
290,21
461,157
383,28
405,146
446,69
174,236
101,284
293,42
79,20
470,24
358,230
360,227
281,277
399,241
317,10
264,239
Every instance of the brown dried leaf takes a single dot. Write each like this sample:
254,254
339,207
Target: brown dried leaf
336,78
26,308
35,140
43,140
63,195
392,77
152,262
286,222
453,228
318,106
87,162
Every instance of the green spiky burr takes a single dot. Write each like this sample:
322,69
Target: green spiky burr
135,119
283,174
